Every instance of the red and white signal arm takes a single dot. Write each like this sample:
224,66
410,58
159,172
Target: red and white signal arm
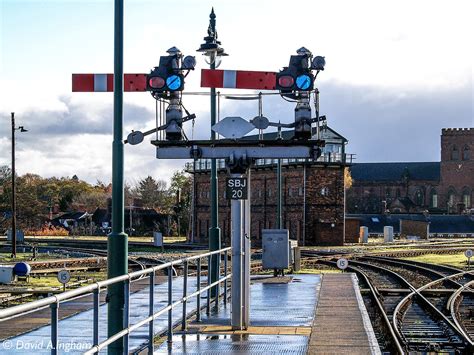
231,79
238,79
105,82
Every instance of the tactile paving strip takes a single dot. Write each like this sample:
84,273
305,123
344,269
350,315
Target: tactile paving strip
235,344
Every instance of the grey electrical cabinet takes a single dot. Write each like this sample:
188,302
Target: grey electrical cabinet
275,245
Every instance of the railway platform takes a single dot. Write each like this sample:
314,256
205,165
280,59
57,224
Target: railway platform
311,314
299,314
341,324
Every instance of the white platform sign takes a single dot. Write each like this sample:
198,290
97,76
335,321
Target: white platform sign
342,263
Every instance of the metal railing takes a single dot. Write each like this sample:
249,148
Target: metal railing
95,289
205,164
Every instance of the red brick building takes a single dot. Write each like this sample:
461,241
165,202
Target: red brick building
313,195
437,187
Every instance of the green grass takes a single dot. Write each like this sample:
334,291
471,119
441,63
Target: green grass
166,240
6,257
456,260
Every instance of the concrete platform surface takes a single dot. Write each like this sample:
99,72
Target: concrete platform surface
281,315
341,323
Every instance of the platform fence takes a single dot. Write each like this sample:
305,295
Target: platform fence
53,302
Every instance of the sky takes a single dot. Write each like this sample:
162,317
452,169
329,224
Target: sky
397,72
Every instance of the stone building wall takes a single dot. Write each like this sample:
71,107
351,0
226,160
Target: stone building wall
320,223
457,168
414,228
455,178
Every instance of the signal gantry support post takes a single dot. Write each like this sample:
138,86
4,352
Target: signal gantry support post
117,245
213,51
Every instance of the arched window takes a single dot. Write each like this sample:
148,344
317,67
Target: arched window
454,153
466,153
419,197
451,196
433,199
466,197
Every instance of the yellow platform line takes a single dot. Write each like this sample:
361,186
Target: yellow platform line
225,329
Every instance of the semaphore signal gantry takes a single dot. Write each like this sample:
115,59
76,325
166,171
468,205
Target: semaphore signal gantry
295,83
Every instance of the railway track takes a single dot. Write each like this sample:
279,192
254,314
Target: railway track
432,315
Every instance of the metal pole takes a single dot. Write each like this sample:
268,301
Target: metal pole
185,293
208,301
214,231
13,190
96,296
126,318
151,311
170,302
225,275
246,257
279,220
198,300
304,203
117,240
54,328
237,251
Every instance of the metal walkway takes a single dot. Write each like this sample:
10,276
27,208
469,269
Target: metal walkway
341,323
281,315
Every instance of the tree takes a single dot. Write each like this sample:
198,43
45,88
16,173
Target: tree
347,179
181,189
153,194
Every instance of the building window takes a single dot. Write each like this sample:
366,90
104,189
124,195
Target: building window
434,198
466,198
290,191
454,153
419,197
325,191
388,192
269,192
398,194
451,196
300,191
465,153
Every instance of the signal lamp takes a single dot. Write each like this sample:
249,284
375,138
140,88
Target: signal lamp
156,82
286,81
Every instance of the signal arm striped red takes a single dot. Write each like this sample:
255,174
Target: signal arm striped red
238,79
105,82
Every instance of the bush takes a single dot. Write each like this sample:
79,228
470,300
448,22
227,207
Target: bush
47,231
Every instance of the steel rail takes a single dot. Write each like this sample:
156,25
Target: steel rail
417,292
452,306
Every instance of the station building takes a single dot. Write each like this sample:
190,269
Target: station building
415,187
312,195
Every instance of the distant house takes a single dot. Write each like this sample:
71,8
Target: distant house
72,220
142,219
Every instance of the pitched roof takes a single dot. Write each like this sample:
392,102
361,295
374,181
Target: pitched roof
326,132
395,171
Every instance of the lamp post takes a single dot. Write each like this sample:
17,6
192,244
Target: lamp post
213,53
21,129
